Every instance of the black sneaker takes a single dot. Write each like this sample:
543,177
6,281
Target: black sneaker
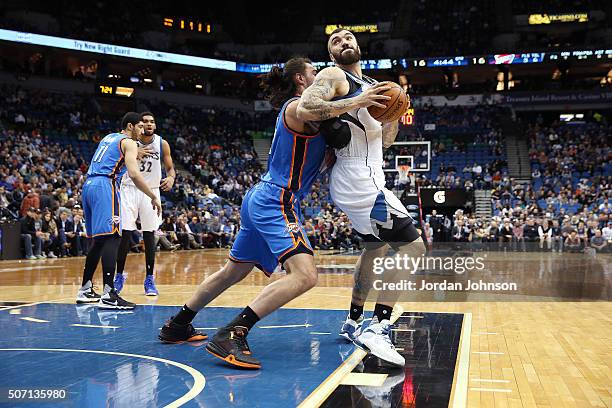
180,333
230,345
111,300
87,294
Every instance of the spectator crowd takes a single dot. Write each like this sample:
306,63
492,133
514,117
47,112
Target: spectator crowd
45,144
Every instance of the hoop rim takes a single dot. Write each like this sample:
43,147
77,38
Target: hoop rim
404,172
404,168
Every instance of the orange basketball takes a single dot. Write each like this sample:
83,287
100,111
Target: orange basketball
395,107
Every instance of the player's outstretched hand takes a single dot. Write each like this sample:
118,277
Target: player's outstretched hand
167,183
156,205
373,97
144,151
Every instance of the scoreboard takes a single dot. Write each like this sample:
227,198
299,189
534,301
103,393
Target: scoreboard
102,89
508,59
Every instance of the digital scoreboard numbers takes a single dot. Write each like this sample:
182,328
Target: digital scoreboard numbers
105,89
186,24
112,90
506,59
408,118
447,62
440,62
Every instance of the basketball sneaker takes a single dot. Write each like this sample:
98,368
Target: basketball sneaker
87,294
149,286
120,279
377,340
382,396
179,333
351,329
111,300
230,345
83,312
108,317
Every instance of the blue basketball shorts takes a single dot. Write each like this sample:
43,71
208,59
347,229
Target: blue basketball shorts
271,229
101,206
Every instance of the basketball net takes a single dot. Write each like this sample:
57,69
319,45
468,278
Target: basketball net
404,173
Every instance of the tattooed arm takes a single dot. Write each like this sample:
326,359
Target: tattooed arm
316,102
389,133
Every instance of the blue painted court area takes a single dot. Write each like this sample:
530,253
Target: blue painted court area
131,368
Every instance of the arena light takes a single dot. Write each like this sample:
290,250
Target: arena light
199,86
569,117
148,80
124,91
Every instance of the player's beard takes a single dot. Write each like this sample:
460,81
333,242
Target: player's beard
149,134
348,58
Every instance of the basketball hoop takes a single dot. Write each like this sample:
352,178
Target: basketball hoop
404,174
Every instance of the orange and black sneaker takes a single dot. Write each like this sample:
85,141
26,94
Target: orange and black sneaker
230,345
180,333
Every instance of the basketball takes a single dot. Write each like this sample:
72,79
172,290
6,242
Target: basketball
395,107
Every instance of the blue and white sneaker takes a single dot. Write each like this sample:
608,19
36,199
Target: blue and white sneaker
351,329
381,396
120,279
377,340
149,286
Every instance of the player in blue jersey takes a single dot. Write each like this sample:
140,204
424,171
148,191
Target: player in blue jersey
271,230
115,154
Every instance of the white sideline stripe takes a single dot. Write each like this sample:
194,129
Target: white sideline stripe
285,326
33,319
95,326
460,388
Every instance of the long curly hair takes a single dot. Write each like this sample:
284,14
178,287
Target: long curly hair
279,84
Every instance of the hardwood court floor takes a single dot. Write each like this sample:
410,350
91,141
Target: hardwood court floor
522,354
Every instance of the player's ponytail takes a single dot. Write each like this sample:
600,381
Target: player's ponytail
279,84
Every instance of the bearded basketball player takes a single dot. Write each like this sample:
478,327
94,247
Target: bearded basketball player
357,185
153,150
271,230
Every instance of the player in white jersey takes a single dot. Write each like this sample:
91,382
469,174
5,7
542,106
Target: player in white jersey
134,207
357,185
